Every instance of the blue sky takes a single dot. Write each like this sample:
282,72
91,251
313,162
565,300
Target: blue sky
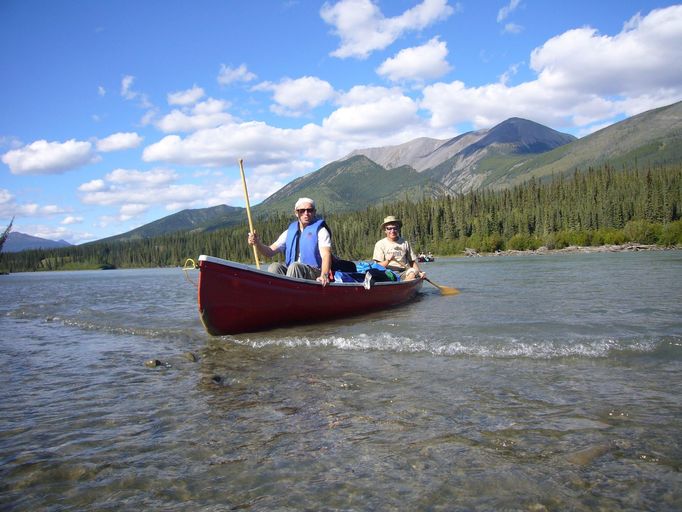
114,114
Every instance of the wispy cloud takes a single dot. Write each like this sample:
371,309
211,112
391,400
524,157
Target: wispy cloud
505,11
512,28
503,14
228,75
187,97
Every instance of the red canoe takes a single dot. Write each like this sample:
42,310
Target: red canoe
235,298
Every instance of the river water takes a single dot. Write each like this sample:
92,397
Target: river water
549,383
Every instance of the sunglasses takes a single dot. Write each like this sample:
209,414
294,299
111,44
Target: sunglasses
305,210
392,228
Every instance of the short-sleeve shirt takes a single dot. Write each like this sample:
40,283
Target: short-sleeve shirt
324,239
400,250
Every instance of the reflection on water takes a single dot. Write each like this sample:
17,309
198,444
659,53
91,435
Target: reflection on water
539,387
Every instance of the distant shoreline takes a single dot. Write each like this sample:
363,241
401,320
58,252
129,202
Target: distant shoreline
573,249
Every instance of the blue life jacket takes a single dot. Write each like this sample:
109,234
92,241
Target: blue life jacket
308,248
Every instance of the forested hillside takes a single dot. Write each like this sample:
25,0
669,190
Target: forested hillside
599,206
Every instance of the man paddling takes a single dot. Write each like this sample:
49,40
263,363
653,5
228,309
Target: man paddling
395,253
306,245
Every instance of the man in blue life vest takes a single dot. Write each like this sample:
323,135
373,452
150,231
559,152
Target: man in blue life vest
306,245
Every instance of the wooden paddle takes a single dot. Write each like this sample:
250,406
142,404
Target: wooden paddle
444,290
248,209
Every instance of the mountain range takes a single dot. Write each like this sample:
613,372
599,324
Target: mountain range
17,242
502,156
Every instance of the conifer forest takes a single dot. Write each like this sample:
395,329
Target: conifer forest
594,207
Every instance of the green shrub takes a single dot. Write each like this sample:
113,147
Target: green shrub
492,243
642,231
563,239
549,241
522,242
581,238
671,234
608,237
456,246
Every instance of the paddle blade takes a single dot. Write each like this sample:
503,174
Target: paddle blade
444,290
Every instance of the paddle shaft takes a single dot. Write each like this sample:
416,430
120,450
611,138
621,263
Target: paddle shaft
248,209
444,290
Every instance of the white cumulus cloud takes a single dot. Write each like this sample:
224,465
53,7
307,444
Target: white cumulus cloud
420,63
151,178
644,57
134,191
43,157
92,186
384,116
71,219
119,141
131,210
225,144
293,97
582,77
363,29
187,97
206,114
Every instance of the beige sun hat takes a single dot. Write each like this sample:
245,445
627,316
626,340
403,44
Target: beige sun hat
391,220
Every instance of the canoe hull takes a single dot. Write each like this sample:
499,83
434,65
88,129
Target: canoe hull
235,298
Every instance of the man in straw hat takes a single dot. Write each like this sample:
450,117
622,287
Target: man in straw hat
306,245
395,253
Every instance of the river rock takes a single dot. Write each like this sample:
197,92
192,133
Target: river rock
586,456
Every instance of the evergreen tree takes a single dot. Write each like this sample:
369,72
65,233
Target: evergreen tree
5,234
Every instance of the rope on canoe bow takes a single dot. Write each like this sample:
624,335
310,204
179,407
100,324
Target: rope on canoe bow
190,264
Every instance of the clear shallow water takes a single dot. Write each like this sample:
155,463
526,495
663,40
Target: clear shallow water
549,383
